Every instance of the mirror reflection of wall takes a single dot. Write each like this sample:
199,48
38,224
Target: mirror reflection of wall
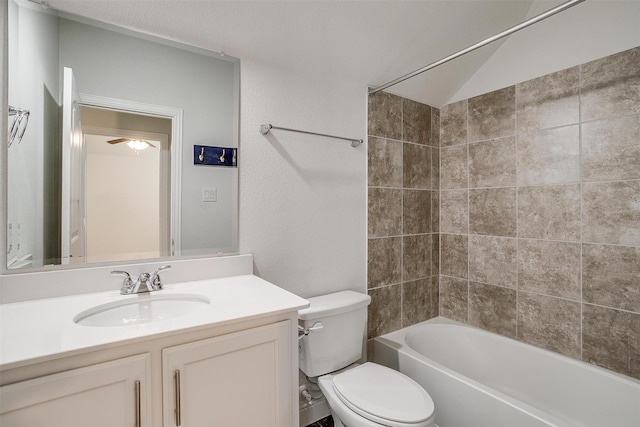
34,163
119,65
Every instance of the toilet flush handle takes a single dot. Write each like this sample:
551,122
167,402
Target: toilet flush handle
303,332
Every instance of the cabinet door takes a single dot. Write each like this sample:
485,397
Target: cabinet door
109,394
241,379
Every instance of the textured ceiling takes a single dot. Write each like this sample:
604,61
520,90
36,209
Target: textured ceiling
372,42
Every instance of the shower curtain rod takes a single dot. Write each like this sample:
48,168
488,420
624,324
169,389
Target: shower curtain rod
478,45
264,129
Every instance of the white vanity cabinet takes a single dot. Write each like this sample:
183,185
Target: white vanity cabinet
109,394
240,375
241,379
231,363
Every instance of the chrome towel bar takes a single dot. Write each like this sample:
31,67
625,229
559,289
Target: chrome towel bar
18,125
265,129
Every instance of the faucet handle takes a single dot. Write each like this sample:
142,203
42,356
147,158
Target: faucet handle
155,280
127,284
126,275
159,269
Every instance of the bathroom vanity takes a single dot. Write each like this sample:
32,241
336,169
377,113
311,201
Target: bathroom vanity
221,350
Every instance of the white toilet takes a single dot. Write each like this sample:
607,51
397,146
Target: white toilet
367,395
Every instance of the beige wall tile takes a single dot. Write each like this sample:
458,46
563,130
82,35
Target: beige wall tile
416,211
548,101
454,298
416,301
549,212
492,163
416,166
435,211
385,116
492,211
573,211
453,124
493,260
550,323
435,168
384,261
454,255
611,276
435,127
416,257
610,85
453,167
611,212
493,308
454,211
385,163
435,254
550,268
416,122
384,312
611,149
611,339
492,115
549,157
385,212
401,209
435,295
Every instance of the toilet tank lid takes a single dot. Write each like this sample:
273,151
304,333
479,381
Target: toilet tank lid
332,304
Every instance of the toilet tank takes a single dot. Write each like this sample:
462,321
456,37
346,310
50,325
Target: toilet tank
338,343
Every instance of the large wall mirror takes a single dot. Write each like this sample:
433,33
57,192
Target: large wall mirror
120,147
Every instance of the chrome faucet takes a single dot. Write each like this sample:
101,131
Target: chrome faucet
156,281
152,282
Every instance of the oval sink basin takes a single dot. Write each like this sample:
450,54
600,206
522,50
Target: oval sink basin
143,308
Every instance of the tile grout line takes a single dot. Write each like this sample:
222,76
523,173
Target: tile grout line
439,206
429,139
402,242
515,124
580,172
544,185
468,214
439,136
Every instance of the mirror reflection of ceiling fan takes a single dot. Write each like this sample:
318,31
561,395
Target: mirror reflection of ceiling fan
136,144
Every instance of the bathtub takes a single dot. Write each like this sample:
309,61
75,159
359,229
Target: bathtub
477,378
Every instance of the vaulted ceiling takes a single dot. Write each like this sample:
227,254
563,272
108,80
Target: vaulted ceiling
372,42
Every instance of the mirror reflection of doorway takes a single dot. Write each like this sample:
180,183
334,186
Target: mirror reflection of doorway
128,185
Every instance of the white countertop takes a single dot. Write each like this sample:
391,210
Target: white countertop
38,330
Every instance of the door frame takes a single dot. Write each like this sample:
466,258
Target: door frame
72,219
176,117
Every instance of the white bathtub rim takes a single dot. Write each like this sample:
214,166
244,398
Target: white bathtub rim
401,333
396,341
534,412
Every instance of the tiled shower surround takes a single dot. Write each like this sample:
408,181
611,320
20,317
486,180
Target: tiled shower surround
403,213
539,226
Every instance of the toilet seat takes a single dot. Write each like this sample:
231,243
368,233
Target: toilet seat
384,396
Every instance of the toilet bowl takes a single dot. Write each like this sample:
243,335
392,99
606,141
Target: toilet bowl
332,329
372,395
